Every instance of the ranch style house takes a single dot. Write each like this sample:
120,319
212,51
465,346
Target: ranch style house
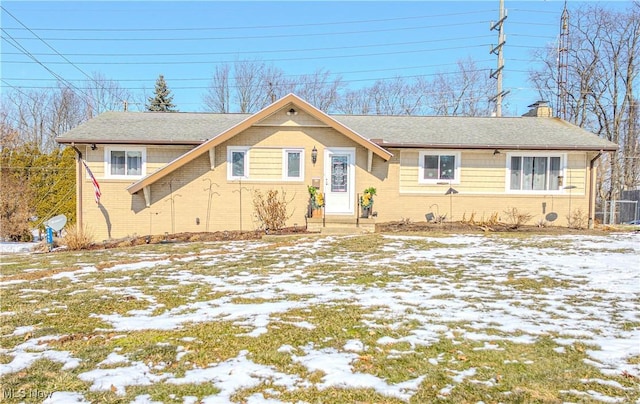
170,172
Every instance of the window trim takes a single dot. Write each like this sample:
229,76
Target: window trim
285,163
230,151
107,162
563,173
439,153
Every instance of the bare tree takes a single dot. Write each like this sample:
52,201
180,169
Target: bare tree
603,55
250,91
464,92
66,111
393,97
217,97
105,95
319,89
355,102
28,112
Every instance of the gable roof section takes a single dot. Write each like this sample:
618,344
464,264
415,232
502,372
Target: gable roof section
178,128
456,132
232,131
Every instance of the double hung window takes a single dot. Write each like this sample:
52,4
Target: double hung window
126,162
439,167
535,172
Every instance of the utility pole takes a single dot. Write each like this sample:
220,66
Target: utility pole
563,64
497,50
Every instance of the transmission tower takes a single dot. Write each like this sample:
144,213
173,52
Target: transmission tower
497,50
563,64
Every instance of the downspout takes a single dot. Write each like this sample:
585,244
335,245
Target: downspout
592,184
78,186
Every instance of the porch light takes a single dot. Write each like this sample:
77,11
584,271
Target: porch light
314,155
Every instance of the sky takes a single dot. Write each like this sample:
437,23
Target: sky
472,296
360,42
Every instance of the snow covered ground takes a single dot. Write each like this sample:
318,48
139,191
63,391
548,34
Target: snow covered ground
13,248
592,299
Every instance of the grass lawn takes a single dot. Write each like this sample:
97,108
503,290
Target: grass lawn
376,318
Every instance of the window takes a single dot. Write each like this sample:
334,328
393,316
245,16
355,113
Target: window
126,162
293,164
237,162
439,167
535,172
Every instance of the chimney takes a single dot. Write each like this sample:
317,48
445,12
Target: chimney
540,109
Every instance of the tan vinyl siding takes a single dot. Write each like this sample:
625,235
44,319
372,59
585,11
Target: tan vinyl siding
157,157
482,172
576,173
265,164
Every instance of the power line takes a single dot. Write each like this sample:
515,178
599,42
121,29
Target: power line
259,51
288,35
365,79
53,49
254,26
181,62
54,74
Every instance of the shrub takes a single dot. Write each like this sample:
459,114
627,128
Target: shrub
577,219
77,238
271,209
516,219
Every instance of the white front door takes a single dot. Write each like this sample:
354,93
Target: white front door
339,176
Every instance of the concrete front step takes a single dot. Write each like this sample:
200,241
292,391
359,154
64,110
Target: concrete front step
341,225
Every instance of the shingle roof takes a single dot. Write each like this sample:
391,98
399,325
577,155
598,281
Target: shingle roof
151,128
475,132
387,131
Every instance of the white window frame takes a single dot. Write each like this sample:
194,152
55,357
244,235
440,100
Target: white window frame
563,173
230,151
421,168
285,164
126,149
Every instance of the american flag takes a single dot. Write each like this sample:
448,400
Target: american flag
96,186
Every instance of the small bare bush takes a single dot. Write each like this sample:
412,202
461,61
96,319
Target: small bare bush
516,219
77,238
577,219
271,209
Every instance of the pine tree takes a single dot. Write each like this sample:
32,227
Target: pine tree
162,99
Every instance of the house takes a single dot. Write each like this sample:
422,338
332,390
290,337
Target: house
192,172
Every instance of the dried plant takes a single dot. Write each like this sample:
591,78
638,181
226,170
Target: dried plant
271,209
77,238
577,219
516,219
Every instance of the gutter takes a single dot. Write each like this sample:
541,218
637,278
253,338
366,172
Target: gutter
135,142
495,147
592,184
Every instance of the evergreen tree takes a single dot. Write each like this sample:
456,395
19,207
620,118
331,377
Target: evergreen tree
34,184
162,101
